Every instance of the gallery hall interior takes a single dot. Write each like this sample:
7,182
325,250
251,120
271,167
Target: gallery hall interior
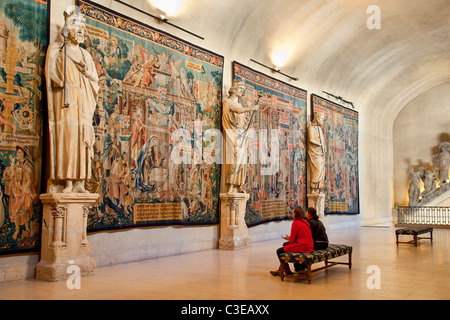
245,150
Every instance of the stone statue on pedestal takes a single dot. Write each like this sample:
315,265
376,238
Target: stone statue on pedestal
72,87
236,121
316,164
316,154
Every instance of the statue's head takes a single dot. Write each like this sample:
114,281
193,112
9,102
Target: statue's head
319,117
238,87
75,25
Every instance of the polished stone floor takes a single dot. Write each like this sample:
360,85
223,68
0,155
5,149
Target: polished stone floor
401,272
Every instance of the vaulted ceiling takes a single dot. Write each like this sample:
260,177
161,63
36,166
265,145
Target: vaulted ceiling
329,45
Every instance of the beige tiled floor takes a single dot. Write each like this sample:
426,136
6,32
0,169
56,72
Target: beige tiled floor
406,272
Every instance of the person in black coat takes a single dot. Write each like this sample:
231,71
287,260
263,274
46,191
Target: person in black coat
318,231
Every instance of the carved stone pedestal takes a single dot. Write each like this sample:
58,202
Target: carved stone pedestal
64,241
233,230
317,201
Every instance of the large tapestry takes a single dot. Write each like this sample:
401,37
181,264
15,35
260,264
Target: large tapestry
276,178
341,138
23,44
156,123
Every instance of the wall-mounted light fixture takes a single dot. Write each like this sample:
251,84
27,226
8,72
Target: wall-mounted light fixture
160,18
280,57
275,69
169,7
339,98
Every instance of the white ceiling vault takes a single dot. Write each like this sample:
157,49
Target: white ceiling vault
328,44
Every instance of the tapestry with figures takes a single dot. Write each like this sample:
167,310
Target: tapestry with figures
276,178
340,130
23,44
158,114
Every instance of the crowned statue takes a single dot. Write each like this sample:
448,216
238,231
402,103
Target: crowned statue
72,87
236,122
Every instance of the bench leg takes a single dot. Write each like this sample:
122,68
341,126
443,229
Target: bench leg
415,240
308,272
350,260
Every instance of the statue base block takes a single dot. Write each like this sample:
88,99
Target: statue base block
233,230
317,201
59,270
64,241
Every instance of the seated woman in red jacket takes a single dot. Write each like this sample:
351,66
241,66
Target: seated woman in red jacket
300,240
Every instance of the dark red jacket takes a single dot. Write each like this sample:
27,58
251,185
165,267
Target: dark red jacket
300,239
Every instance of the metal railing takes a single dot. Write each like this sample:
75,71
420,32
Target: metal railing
438,216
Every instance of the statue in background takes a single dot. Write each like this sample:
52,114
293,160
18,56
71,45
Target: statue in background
316,154
72,87
236,122
442,162
429,182
414,187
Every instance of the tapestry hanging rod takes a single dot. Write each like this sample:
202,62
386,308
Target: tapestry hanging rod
275,70
339,98
160,18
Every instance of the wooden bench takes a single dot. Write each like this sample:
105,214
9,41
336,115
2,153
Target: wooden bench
333,251
414,231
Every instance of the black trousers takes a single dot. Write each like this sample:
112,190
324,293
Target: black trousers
279,252
297,266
